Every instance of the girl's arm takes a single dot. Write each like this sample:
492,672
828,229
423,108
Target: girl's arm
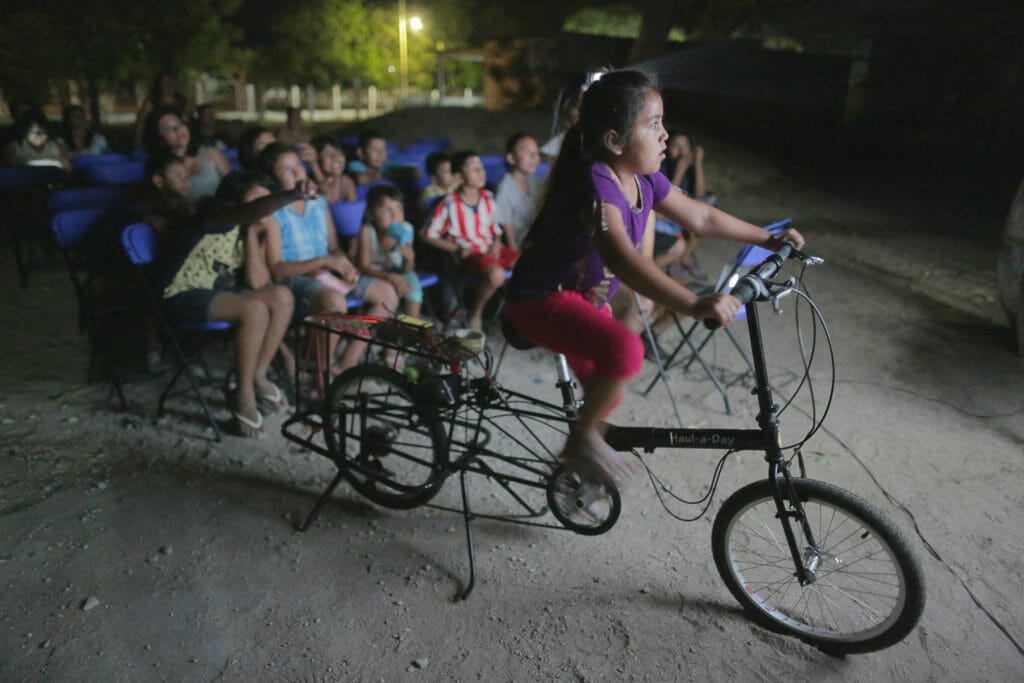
640,274
257,273
706,220
278,267
679,170
348,188
220,162
700,188
216,212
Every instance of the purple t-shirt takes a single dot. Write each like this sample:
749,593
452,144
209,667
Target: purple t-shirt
558,253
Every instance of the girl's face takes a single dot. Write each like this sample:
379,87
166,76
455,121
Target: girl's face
525,157
645,147
375,153
332,161
387,212
443,174
175,180
473,173
174,133
679,147
36,135
289,171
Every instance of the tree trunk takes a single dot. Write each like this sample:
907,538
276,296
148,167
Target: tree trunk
658,20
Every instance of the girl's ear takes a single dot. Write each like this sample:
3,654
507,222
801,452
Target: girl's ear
510,159
158,181
613,142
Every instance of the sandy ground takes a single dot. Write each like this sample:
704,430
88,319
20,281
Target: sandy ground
134,548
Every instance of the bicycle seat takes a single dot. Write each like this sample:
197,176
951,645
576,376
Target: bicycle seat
514,339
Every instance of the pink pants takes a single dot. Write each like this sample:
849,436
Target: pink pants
591,339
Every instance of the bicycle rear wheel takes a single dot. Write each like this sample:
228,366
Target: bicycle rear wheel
390,447
868,588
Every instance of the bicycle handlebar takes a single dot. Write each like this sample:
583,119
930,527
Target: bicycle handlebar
752,285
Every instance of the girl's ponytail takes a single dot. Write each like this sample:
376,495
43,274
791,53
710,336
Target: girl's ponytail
612,103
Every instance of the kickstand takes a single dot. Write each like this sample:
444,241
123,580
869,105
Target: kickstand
315,512
467,517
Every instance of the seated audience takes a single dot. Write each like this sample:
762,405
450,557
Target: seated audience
334,185
303,253
251,144
518,193
214,269
79,134
442,182
371,162
570,115
204,128
206,166
684,167
294,130
33,146
464,225
384,247
163,96
165,195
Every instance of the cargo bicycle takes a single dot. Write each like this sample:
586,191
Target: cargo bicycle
803,557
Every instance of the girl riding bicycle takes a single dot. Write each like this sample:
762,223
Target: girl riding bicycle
594,228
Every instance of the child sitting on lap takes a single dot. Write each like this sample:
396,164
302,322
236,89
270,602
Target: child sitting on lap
384,248
465,225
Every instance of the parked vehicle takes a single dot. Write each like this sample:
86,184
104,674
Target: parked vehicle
1010,269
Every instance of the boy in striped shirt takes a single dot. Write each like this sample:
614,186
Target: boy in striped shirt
465,225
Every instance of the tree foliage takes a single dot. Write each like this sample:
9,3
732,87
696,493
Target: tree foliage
108,41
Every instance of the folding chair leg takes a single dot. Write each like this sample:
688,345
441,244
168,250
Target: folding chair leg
183,369
657,357
708,370
743,355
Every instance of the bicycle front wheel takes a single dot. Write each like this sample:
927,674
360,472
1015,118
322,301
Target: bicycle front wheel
390,447
867,591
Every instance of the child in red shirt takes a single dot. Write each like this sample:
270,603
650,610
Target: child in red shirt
465,225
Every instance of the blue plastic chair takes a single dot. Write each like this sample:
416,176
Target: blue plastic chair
748,256
23,191
496,168
82,162
141,244
86,238
68,198
117,173
231,154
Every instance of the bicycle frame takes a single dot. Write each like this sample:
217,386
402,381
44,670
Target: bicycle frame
766,439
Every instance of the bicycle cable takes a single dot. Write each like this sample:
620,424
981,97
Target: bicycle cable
660,487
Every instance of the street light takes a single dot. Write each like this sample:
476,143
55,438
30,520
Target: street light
416,24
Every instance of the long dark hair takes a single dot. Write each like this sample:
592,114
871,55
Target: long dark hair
613,103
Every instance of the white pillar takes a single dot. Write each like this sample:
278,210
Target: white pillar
250,99
371,99
335,97
295,96
311,101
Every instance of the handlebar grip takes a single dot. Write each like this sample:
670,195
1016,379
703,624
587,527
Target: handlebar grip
748,286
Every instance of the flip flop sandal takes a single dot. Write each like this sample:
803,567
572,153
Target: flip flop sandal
275,399
246,427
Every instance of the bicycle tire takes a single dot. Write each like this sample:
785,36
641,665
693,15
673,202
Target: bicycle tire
765,583
389,446
586,507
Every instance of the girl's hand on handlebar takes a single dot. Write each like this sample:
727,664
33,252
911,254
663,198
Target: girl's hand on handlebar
718,308
787,235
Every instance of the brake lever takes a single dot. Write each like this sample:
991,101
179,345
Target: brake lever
779,291
807,258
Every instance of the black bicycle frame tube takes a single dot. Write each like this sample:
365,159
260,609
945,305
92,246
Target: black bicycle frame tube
768,419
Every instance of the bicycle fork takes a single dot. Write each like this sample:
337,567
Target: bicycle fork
778,467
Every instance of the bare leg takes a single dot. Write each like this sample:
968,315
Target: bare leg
413,308
382,300
491,281
251,318
280,303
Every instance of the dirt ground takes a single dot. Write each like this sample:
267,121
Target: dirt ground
135,548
